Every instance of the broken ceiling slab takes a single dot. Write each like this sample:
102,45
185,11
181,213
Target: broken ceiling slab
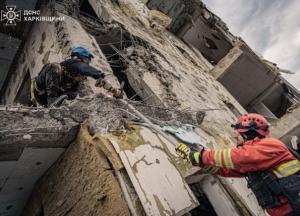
20,177
35,161
6,168
159,185
33,127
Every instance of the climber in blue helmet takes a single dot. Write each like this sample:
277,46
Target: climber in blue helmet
82,53
61,80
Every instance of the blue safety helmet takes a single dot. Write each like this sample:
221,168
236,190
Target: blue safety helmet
80,51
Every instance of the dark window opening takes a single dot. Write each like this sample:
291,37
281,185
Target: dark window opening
205,208
287,100
215,36
87,9
210,44
119,72
112,45
23,95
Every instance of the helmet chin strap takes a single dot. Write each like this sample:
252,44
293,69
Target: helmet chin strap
250,135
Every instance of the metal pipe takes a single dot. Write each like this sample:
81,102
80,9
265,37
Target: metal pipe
126,193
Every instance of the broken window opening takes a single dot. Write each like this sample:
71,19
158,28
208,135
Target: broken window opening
120,72
287,100
210,44
215,36
87,9
112,48
23,95
205,208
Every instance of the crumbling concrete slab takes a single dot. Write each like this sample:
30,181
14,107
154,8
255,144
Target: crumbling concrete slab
158,183
33,127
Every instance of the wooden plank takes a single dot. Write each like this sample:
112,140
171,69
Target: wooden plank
216,194
158,183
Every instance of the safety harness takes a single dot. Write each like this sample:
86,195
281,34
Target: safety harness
267,185
40,90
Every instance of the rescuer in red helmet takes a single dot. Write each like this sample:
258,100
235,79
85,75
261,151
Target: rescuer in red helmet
271,170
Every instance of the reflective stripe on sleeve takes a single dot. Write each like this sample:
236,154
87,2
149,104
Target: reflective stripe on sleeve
287,169
218,158
227,159
226,155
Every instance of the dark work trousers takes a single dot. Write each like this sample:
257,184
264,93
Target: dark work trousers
291,189
41,99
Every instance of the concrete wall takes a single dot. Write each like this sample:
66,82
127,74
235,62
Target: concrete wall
209,41
8,49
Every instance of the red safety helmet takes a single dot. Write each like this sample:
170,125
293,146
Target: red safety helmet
252,121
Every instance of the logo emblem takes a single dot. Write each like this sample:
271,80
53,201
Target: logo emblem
10,15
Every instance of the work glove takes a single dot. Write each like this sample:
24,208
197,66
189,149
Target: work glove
192,155
100,82
117,93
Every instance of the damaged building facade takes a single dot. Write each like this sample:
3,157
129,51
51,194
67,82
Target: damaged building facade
181,67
